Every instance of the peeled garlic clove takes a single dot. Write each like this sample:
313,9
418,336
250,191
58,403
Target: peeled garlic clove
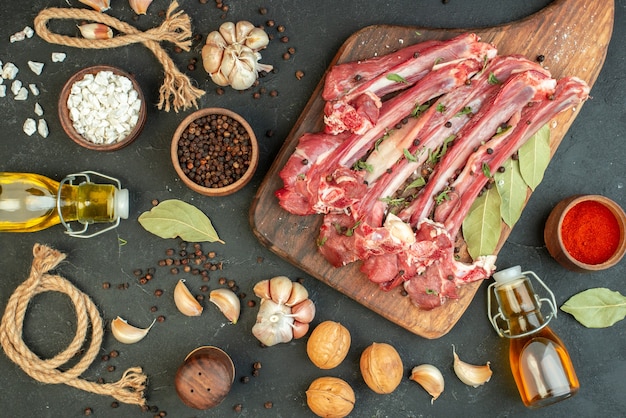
242,29
430,378
98,5
139,6
126,333
227,30
470,374
186,303
280,289
298,294
257,39
228,302
303,311
95,31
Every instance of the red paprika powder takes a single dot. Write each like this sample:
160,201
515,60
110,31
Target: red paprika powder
590,232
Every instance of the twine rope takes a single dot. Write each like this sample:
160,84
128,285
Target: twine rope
177,89
129,389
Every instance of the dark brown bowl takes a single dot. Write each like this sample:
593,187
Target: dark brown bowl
229,188
68,125
553,235
205,377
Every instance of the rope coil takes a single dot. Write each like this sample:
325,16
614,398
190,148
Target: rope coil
177,89
129,389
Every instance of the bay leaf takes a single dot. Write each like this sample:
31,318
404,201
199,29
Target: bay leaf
175,218
512,190
482,225
596,308
534,157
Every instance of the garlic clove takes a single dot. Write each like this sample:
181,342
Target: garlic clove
186,303
398,229
140,6
303,311
228,303
213,51
300,329
430,378
280,289
257,39
126,333
98,5
471,375
273,323
227,30
262,289
242,29
298,294
95,31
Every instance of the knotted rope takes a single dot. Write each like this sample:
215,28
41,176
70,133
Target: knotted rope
129,389
176,28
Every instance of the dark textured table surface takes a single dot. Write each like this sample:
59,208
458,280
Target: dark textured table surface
590,160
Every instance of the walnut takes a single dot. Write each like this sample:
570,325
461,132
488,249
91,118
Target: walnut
330,397
381,367
328,344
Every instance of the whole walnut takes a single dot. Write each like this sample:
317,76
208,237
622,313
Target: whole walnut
381,367
330,397
328,344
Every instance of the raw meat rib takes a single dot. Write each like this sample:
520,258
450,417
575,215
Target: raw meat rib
353,112
369,236
342,78
316,180
516,92
448,272
569,92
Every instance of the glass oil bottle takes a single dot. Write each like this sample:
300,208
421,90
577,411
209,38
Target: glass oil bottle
540,363
32,202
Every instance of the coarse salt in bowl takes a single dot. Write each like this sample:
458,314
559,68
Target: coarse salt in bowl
586,233
102,108
214,151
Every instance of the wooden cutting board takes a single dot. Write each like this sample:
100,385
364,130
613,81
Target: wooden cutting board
572,35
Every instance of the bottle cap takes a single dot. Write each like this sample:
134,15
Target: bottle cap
507,275
121,203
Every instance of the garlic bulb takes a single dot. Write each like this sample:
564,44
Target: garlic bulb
470,374
126,333
285,311
231,54
430,378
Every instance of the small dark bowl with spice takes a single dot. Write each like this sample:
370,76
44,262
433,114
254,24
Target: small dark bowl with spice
114,98
214,151
586,233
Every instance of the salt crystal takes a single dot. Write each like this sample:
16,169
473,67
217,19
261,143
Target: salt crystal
33,89
22,94
3,90
36,67
16,86
38,109
42,128
58,56
9,71
28,31
30,126
16,37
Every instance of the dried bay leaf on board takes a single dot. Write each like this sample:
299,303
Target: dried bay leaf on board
534,157
512,189
596,308
175,218
482,226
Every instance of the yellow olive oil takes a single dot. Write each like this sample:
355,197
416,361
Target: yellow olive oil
32,202
541,366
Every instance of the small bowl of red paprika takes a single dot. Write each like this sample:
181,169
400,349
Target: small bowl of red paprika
586,233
